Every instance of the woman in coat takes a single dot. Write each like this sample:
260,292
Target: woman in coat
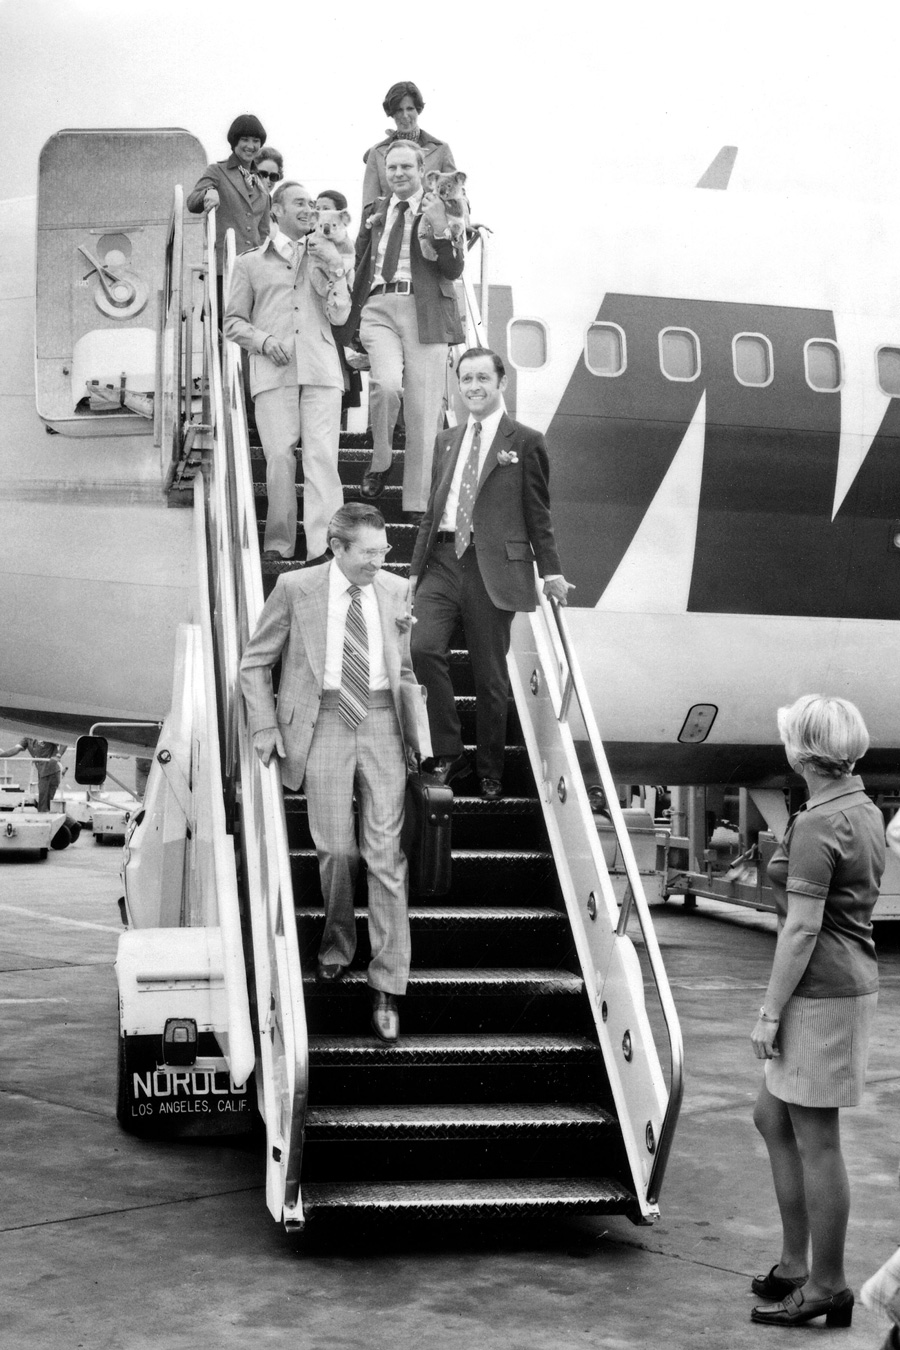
403,102
231,186
813,1027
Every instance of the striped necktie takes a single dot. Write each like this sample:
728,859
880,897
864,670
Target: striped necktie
467,486
353,704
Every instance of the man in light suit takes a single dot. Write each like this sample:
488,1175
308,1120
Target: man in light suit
406,312
349,714
487,521
275,312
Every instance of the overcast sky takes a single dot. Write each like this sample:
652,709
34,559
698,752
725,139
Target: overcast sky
541,102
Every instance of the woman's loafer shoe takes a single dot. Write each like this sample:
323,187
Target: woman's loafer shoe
837,1309
775,1287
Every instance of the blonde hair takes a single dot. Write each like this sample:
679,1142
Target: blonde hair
828,733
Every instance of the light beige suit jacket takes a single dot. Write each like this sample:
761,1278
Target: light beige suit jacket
293,626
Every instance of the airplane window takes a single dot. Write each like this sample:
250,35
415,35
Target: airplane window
823,365
604,349
889,371
679,354
527,343
752,359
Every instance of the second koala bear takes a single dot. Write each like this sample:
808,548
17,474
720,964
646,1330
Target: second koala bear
445,211
331,255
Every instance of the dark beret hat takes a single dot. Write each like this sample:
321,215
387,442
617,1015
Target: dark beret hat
400,90
245,125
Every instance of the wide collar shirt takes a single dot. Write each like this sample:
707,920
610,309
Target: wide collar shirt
489,427
402,272
338,605
290,250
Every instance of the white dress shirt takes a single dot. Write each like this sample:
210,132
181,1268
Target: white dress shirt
338,605
402,272
489,427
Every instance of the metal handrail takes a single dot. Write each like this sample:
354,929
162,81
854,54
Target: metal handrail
240,1050
171,326
573,684
270,899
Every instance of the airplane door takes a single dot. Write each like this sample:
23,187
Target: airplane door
104,203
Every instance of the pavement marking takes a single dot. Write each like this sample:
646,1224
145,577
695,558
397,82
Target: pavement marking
56,918
34,1000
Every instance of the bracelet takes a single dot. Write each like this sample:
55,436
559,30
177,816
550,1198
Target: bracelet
764,1017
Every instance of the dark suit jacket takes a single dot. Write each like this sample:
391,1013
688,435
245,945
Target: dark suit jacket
511,518
293,626
240,209
437,309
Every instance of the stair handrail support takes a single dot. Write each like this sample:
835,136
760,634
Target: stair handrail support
544,676
168,401
213,863
284,1051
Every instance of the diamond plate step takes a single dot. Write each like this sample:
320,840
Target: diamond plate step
455,1120
440,1068
458,936
502,1198
456,1000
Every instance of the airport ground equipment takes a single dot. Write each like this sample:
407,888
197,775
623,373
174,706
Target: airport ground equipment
526,1079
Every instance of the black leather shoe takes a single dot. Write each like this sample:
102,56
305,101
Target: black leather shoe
330,972
491,789
837,1309
373,484
447,767
775,1287
385,1017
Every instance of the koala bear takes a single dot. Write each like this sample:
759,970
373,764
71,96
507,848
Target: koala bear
445,211
330,251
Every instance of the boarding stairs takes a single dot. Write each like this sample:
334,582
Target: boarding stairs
526,1079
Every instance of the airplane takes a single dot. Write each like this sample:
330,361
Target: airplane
717,374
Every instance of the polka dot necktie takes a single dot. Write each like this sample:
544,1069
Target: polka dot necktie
392,248
467,488
353,704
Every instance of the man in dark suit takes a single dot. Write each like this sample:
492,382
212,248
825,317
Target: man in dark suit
486,523
349,715
406,313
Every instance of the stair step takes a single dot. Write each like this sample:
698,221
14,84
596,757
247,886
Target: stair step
416,1051
455,1120
518,1067
500,1197
454,936
489,982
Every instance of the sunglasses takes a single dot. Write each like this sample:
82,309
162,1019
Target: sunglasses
273,177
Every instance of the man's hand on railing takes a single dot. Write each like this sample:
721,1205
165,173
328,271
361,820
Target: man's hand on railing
557,588
210,199
266,742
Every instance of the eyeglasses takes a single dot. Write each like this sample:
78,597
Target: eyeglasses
272,177
373,554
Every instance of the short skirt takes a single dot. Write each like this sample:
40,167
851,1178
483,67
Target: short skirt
824,1044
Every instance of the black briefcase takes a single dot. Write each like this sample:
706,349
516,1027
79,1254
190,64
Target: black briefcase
426,834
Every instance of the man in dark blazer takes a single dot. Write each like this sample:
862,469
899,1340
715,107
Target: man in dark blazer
406,313
486,523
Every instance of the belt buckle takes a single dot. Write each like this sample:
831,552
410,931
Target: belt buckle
403,287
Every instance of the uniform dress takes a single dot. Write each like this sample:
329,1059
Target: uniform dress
834,852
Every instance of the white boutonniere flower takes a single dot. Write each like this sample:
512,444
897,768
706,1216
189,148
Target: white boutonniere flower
507,457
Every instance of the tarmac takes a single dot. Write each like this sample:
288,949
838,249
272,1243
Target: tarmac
108,1242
